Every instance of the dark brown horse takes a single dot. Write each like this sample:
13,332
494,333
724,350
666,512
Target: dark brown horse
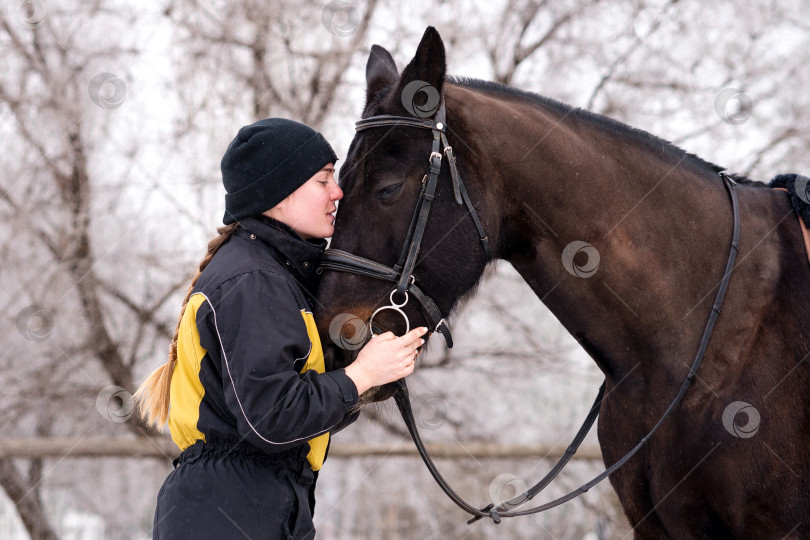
733,460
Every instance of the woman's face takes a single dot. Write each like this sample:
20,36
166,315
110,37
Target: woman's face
310,209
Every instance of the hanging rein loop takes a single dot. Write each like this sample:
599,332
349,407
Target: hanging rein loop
402,272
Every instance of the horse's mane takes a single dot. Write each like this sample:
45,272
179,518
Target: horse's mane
601,121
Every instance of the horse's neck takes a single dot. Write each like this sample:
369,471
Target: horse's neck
660,231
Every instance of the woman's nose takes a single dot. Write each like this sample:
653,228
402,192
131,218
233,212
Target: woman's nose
337,193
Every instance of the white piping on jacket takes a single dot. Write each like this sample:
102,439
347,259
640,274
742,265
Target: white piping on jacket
228,367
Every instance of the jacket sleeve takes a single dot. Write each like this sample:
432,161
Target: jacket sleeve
263,342
348,420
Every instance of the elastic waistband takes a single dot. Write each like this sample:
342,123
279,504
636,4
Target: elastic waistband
291,457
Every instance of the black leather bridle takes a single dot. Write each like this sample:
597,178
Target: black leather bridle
402,275
402,272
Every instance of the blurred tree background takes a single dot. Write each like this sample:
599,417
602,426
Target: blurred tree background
114,115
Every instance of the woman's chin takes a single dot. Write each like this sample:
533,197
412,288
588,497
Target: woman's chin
328,232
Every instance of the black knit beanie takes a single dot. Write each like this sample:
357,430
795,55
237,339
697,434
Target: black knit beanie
266,162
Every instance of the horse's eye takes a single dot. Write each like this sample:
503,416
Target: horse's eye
386,192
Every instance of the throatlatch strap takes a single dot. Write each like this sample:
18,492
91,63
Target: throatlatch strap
460,193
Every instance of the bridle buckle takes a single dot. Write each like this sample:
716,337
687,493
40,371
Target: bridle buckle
438,324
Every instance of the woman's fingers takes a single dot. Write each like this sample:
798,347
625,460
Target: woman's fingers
400,352
411,357
414,335
386,336
413,339
386,358
409,350
411,343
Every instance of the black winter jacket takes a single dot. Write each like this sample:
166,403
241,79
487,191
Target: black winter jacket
250,405
250,365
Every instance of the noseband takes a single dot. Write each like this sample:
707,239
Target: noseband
402,272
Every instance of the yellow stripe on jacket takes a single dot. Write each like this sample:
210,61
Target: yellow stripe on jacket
187,391
317,445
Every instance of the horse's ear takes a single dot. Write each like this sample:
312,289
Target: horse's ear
428,66
381,71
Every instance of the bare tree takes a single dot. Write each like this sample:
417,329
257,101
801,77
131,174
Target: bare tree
524,27
258,59
75,329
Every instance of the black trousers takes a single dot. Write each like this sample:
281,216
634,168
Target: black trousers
220,490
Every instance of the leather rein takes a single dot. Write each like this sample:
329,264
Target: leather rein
402,275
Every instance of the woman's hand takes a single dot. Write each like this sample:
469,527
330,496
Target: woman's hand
386,358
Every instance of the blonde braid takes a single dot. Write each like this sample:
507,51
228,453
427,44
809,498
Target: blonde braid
153,395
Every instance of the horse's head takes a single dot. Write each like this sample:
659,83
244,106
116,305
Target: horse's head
382,179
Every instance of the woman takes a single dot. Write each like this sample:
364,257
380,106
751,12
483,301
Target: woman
244,390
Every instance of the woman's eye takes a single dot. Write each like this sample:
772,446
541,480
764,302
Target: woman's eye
388,191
